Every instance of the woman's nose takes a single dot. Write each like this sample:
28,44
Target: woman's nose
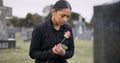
65,19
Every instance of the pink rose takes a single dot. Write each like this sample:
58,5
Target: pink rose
66,36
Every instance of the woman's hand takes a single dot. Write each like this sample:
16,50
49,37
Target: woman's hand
57,49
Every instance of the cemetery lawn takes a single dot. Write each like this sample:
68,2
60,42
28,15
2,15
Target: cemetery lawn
83,53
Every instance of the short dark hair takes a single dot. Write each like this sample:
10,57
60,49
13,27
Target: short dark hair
61,4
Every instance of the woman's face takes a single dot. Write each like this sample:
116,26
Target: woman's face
61,17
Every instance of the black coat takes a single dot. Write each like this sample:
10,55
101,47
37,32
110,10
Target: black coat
44,37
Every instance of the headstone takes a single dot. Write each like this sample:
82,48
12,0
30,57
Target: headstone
81,32
4,13
1,3
107,33
26,34
7,44
11,32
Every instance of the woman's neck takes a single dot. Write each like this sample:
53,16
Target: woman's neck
56,26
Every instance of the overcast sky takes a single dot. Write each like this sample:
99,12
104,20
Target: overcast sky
22,7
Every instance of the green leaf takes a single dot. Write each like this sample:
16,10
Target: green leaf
64,46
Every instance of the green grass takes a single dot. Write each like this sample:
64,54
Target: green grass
18,54
83,53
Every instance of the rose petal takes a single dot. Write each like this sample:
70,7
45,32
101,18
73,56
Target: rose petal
67,34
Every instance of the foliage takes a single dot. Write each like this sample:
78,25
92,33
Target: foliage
14,21
48,16
74,17
29,21
88,25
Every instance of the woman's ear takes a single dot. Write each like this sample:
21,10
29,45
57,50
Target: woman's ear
53,12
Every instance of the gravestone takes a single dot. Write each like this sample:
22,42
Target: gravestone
107,33
4,13
81,32
2,30
26,34
1,3
11,32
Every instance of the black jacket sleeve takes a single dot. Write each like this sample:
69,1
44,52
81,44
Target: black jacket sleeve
35,51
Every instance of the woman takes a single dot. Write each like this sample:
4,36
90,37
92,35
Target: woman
46,46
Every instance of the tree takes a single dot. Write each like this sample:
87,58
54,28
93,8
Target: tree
12,21
36,19
74,17
47,11
29,21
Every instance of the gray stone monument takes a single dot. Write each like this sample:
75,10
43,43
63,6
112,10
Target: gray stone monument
26,34
4,13
107,33
1,3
